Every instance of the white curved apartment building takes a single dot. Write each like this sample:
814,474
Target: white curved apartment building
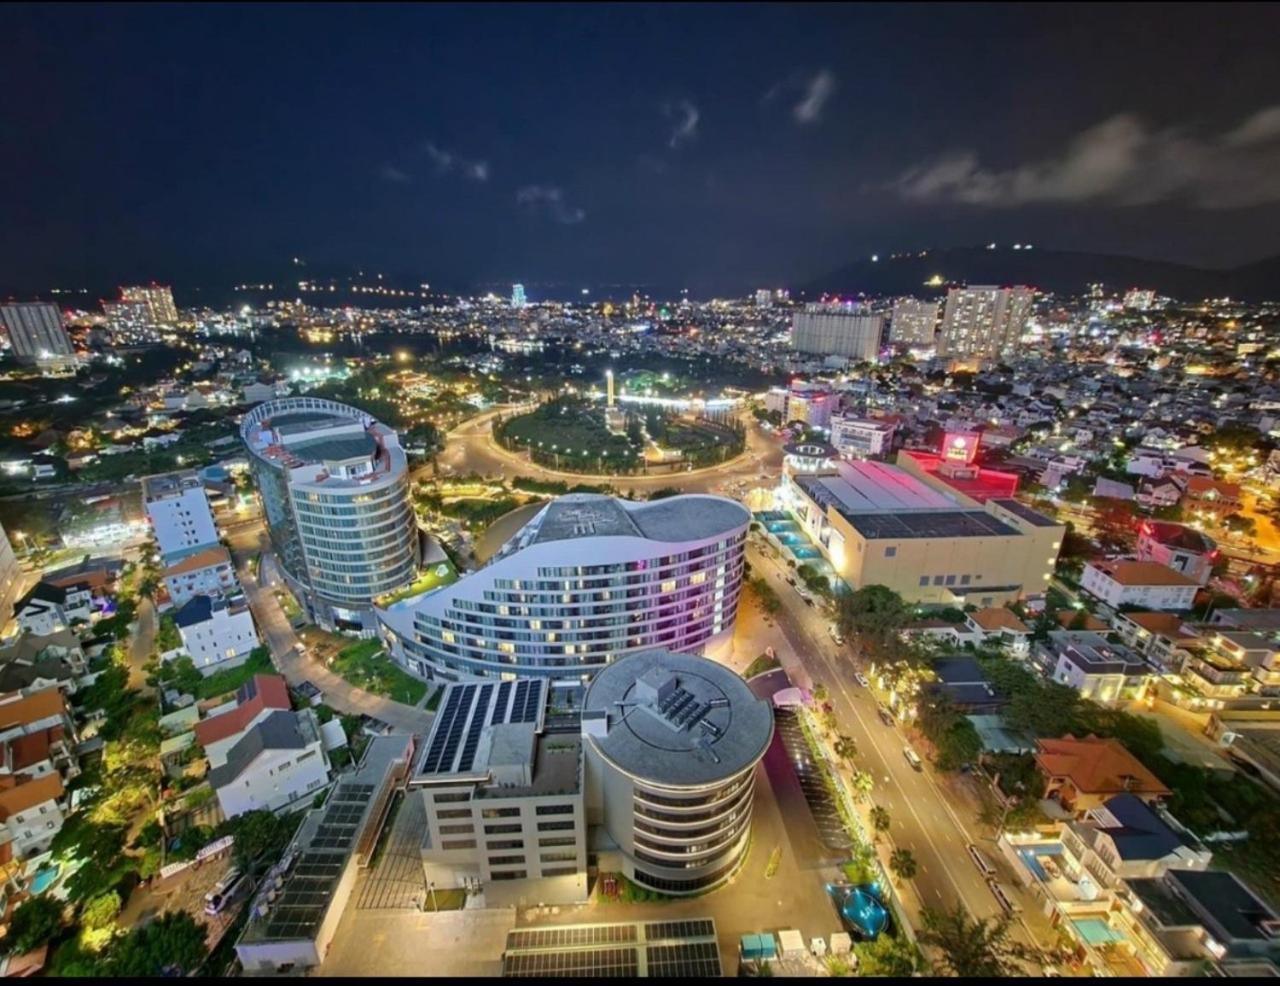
589,579
334,484
672,742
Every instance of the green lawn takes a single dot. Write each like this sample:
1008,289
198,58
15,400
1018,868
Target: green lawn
366,666
434,576
223,682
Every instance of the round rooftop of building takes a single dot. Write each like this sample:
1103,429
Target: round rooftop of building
676,720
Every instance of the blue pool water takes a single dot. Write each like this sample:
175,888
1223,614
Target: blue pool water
861,907
806,552
43,880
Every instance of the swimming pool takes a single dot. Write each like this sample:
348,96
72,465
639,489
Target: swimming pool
861,908
44,879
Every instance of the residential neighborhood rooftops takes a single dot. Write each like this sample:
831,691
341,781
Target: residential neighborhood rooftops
207,558
1135,828
20,795
279,730
259,693
1130,572
995,618
1097,766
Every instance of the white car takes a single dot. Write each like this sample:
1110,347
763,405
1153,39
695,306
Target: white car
861,679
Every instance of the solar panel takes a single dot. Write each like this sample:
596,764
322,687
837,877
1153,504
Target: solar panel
473,733
609,950
517,707
431,762
500,705
456,726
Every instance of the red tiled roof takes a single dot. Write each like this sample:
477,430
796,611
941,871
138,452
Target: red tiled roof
28,793
1097,766
266,691
1141,573
998,618
20,710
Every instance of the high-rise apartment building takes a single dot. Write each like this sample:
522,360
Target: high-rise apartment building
159,301
129,321
517,296
984,321
913,322
35,331
589,579
180,515
9,572
334,484
838,330
846,331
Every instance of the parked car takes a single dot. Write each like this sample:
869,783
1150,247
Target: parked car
913,758
885,715
981,861
861,679
1003,897
836,635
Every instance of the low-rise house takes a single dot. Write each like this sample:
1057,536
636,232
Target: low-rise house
31,663
37,758
1099,670
277,761
1126,838
1144,630
255,700
47,608
1176,546
999,625
207,572
1208,497
1259,654
1193,917
962,683
217,632
1127,582
1081,774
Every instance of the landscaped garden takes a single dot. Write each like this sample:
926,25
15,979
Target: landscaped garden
366,666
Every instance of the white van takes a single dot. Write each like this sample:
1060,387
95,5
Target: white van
913,758
224,892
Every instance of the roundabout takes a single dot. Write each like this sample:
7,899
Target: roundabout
471,448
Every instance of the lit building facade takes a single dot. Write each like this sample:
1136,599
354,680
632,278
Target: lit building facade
158,299
672,743
334,484
913,322
838,330
984,321
588,580
36,332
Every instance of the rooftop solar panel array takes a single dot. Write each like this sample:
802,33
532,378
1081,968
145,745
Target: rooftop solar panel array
661,949
298,911
467,709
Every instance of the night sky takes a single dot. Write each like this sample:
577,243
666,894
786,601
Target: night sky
715,147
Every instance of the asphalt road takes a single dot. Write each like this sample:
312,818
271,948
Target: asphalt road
922,818
470,448
293,662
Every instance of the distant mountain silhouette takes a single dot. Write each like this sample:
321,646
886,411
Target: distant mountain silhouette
1059,271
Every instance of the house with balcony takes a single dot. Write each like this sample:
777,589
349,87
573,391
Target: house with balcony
998,625
48,608
1207,497
1081,774
1106,672
1164,638
1148,584
1176,546
37,759
1258,653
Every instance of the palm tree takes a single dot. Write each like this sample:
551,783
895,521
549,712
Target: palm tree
973,948
880,819
903,864
863,782
846,748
